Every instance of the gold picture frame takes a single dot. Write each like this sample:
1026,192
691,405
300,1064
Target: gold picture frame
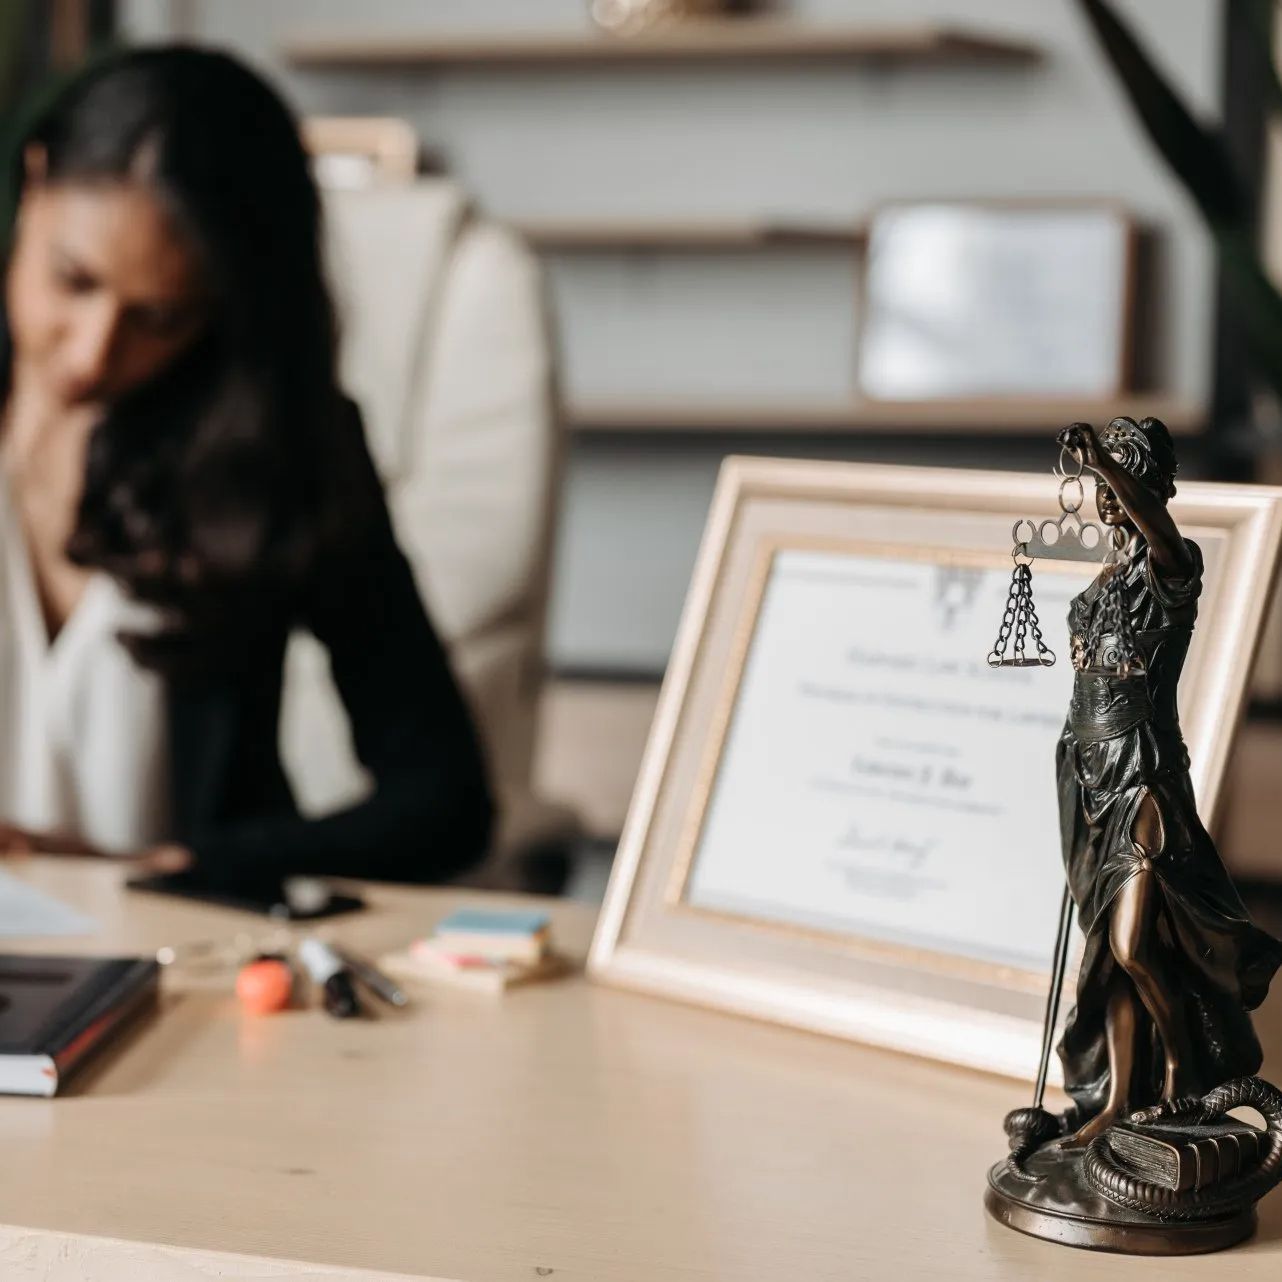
662,932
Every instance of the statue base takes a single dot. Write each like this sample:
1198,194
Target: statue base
1061,1207
1179,1178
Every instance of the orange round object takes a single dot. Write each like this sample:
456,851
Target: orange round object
265,986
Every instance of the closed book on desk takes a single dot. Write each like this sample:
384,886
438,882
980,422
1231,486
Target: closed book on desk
479,974
510,935
55,1012
1185,1156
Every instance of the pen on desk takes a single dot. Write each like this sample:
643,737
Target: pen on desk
332,973
373,978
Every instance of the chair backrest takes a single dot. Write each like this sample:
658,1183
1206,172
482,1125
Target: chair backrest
446,349
357,151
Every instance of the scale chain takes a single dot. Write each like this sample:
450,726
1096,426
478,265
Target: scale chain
1114,619
1020,617
1034,624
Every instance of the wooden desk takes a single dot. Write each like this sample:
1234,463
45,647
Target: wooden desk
565,1132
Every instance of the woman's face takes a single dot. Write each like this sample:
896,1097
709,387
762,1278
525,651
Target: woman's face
103,292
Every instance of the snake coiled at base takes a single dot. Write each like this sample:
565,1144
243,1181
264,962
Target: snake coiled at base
1028,1129
1103,1173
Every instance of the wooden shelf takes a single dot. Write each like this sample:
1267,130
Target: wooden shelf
726,41
637,236
1011,416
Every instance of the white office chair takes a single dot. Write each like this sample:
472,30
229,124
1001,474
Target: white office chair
446,348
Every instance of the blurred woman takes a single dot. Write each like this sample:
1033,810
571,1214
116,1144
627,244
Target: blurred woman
183,483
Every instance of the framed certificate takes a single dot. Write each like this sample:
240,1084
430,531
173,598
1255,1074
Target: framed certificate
845,819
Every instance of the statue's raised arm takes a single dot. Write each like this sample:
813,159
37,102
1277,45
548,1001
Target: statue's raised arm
1134,465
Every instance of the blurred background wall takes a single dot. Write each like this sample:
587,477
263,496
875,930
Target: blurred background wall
653,337
703,226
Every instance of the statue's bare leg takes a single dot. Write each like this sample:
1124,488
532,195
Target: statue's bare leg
1143,972
1119,1037
1139,949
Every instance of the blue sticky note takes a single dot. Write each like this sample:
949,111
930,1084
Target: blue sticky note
476,921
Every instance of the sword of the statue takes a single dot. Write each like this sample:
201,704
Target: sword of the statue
1029,1128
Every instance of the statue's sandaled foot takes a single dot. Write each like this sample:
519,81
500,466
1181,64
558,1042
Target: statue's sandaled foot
1176,1084
1094,1128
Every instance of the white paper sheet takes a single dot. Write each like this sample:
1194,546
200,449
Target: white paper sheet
26,913
878,777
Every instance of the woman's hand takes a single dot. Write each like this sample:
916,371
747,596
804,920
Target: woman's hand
1080,440
168,858
18,841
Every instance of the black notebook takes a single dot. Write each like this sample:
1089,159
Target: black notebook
55,1012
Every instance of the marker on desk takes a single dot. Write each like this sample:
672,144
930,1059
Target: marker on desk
328,970
373,978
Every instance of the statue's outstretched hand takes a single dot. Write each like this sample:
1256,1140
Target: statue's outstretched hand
1080,440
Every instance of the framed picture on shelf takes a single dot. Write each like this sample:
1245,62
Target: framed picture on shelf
970,299
845,820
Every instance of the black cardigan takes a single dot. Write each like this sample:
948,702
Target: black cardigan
430,813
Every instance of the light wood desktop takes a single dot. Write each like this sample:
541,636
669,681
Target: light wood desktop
564,1131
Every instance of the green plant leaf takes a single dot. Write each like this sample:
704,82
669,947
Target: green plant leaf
1197,154
1200,158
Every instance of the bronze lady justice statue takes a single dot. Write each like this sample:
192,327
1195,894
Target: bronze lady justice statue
1172,963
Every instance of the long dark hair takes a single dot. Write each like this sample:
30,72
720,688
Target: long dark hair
210,491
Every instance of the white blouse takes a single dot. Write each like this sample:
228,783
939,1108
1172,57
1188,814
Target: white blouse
83,728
